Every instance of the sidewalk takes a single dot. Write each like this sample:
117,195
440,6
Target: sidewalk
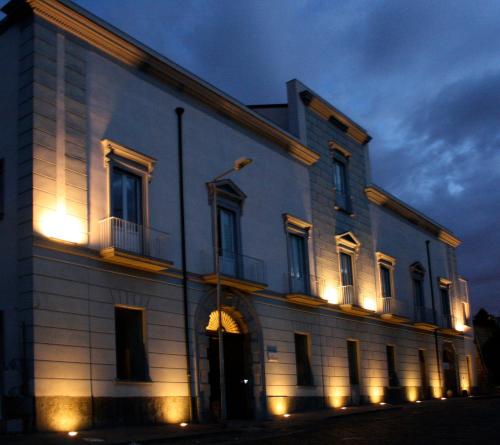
124,435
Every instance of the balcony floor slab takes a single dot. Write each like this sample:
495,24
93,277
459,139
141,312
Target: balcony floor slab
127,259
237,283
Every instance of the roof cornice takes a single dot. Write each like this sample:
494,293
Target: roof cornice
78,22
331,114
384,199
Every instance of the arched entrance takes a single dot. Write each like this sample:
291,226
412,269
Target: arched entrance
245,387
449,370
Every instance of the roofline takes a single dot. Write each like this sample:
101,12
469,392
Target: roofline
384,199
268,106
79,22
330,113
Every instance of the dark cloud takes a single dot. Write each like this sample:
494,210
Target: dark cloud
423,77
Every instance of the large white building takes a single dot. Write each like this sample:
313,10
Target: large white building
334,292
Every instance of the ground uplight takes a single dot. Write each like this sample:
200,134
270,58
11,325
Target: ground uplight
72,433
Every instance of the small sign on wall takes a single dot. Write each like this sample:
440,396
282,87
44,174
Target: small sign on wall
272,353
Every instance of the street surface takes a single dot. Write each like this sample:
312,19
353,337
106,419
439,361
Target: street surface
458,421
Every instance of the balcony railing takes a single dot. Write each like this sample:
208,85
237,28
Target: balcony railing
306,284
134,239
243,267
423,315
393,306
347,295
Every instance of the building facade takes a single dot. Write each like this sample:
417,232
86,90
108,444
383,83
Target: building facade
333,291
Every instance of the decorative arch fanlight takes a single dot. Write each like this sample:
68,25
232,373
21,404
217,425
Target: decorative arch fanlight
229,324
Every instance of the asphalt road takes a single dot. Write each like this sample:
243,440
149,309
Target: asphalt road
458,421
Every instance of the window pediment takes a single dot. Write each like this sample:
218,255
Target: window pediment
348,241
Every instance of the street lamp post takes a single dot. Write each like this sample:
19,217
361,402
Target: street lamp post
238,165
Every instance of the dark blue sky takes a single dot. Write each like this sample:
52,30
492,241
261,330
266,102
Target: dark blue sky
422,77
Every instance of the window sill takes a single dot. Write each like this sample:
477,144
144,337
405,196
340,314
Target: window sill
346,211
132,382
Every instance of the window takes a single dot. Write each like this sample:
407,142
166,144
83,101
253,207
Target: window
340,176
303,360
417,276
348,248
2,188
386,264
391,366
298,232
424,383
126,196
352,357
445,305
346,275
228,241
131,361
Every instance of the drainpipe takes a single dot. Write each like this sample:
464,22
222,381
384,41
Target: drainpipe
179,111
431,281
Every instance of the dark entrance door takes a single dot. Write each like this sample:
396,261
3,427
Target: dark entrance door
239,383
449,371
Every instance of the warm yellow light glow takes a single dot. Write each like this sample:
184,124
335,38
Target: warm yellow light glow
418,401
376,394
229,324
412,393
382,403
278,405
460,327
183,424
61,226
331,295
174,411
370,303
286,415
72,433
443,398
436,392
344,407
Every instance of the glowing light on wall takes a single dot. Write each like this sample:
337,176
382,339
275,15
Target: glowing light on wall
65,419
459,326
175,410
57,224
412,393
436,392
370,303
278,405
376,394
331,295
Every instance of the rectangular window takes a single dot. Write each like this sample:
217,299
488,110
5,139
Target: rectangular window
424,384
352,356
386,279
445,306
418,292
465,313
346,274
340,183
391,366
303,360
228,241
298,264
2,188
126,196
131,361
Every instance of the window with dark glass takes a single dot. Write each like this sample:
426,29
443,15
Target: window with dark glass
352,357
391,366
418,292
346,274
423,370
445,304
303,360
298,263
386,279
131,360
228,241
341,184
126,196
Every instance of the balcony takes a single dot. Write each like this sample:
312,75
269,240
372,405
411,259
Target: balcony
393,310
349,301
133,245
304,290
424,318
240,272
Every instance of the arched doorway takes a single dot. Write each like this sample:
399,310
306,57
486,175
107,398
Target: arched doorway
449,370
243,353
237,367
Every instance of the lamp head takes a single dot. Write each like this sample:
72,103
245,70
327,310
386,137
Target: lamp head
241,162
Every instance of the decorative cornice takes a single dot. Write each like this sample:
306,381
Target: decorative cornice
384,258
337,147
77,22
113,148
348,240
383,199
297,222
331,114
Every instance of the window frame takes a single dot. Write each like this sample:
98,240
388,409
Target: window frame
297,227
388,263
392,380
357,363
146,377
130,161
341,156
309,379
348,243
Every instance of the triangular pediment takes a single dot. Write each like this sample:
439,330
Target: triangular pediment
348,239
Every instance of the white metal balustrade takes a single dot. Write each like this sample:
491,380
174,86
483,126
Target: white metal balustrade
305,284
133,238
393,306
240,266
347,295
